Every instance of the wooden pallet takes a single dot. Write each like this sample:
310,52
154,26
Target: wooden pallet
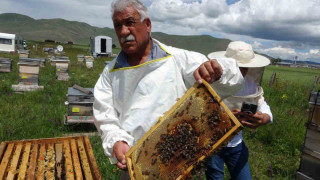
55,158
194,129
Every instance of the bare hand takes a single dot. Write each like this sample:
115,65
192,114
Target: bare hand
252,120
209,71
119,150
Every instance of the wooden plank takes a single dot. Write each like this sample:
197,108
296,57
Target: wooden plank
92,159
75,157
33,162
42,155
84,160
49,168
3,146
14,162
59,148
68,160
25,160
272,79
5,160
301,176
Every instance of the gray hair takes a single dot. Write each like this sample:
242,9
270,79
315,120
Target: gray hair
119,5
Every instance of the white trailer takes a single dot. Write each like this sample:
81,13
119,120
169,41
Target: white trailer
10,42
101,45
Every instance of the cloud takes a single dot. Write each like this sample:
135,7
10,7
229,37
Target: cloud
270,24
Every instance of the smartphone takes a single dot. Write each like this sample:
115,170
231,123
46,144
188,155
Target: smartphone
249,108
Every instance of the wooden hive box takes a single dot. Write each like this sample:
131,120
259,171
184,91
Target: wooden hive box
79,106
5,64
55,158
40,61
314,103
195,128
29,73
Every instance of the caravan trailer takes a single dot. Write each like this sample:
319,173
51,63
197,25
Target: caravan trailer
101,46
10,42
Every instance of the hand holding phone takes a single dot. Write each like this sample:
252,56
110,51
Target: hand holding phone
249,108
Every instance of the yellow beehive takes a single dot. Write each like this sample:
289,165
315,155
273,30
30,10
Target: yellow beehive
192,130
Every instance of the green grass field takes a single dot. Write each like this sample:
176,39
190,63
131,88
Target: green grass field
274,149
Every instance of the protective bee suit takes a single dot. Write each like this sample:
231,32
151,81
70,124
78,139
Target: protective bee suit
252,92
128,101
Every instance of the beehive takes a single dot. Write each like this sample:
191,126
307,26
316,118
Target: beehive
5,64
79,106
192,130
56,158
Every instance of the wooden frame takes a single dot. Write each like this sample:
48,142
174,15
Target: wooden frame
61,158
195,111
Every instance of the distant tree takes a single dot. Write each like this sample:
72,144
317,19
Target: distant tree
114,46
275,60
49,41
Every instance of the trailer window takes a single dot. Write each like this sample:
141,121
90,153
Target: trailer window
5,41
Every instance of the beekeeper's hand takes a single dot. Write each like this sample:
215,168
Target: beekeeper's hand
119,150
252,120
209,71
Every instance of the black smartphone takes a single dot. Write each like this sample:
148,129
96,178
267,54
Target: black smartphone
249,108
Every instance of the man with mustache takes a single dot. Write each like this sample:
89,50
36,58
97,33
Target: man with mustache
145,80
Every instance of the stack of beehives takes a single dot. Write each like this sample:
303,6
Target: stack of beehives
80,101
5,64
310,151
28,75
62,67
89,61
80,58
55,158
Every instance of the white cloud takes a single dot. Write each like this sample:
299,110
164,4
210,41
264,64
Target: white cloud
314,51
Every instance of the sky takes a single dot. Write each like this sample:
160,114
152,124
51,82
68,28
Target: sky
286,29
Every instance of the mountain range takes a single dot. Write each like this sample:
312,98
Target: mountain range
61,30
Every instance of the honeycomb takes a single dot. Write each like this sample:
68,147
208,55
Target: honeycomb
179,144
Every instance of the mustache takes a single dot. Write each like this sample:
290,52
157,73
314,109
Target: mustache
130,37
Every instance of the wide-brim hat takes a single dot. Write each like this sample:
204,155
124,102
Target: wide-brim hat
243,54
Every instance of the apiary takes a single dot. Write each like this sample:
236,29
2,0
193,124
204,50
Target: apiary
89,61
55,158
80,58
184,138
5,64
23,53
80,101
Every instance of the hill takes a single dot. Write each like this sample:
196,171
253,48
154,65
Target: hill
62,30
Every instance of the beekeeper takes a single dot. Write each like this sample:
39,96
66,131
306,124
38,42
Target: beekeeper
146,78
235,155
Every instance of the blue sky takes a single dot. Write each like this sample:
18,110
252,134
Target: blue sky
278,28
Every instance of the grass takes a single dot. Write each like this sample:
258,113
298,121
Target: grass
274,149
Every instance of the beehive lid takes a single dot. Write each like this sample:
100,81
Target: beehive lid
5,60
75,92
192,130
60,158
